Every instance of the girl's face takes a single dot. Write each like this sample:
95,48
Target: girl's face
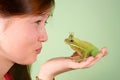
21,38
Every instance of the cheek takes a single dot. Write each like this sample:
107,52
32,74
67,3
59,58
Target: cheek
22,35
19,50
20,40
19,45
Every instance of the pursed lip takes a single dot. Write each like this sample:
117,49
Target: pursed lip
38,50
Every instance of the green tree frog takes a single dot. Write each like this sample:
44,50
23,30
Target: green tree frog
81,47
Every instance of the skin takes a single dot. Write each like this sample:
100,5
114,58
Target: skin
56,66
83,48
21,41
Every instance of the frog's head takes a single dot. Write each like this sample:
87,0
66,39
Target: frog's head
71,40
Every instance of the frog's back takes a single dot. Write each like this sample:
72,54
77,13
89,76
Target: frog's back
93,50
86,45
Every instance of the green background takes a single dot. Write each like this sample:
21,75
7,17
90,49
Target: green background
96,21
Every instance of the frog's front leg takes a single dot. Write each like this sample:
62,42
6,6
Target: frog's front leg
82,56
76,56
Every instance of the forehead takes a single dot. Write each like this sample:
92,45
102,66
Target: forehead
28,17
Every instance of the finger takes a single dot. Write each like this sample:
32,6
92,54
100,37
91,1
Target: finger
82,64
98,57
88,62
104,51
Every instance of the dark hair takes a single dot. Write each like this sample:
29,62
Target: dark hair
10,8
19,72
22,7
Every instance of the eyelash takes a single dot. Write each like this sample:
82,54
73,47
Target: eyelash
38,22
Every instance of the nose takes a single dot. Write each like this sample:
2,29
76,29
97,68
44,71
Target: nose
43,34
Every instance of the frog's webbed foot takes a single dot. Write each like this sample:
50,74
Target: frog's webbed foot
78,59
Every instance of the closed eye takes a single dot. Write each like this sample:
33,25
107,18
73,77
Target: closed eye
38,22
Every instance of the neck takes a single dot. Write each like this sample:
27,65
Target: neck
2,78
5,65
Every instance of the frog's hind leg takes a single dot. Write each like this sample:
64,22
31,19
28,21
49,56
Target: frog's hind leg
95,52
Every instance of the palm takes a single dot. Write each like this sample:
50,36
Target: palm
58,65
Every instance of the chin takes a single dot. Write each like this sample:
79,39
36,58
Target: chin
27,62
30,62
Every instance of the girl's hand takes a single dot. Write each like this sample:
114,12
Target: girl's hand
59,65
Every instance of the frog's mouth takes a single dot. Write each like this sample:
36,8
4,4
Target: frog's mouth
73,45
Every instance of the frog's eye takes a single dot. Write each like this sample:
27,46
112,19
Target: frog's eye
71,40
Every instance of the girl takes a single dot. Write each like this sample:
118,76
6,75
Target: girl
22,32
